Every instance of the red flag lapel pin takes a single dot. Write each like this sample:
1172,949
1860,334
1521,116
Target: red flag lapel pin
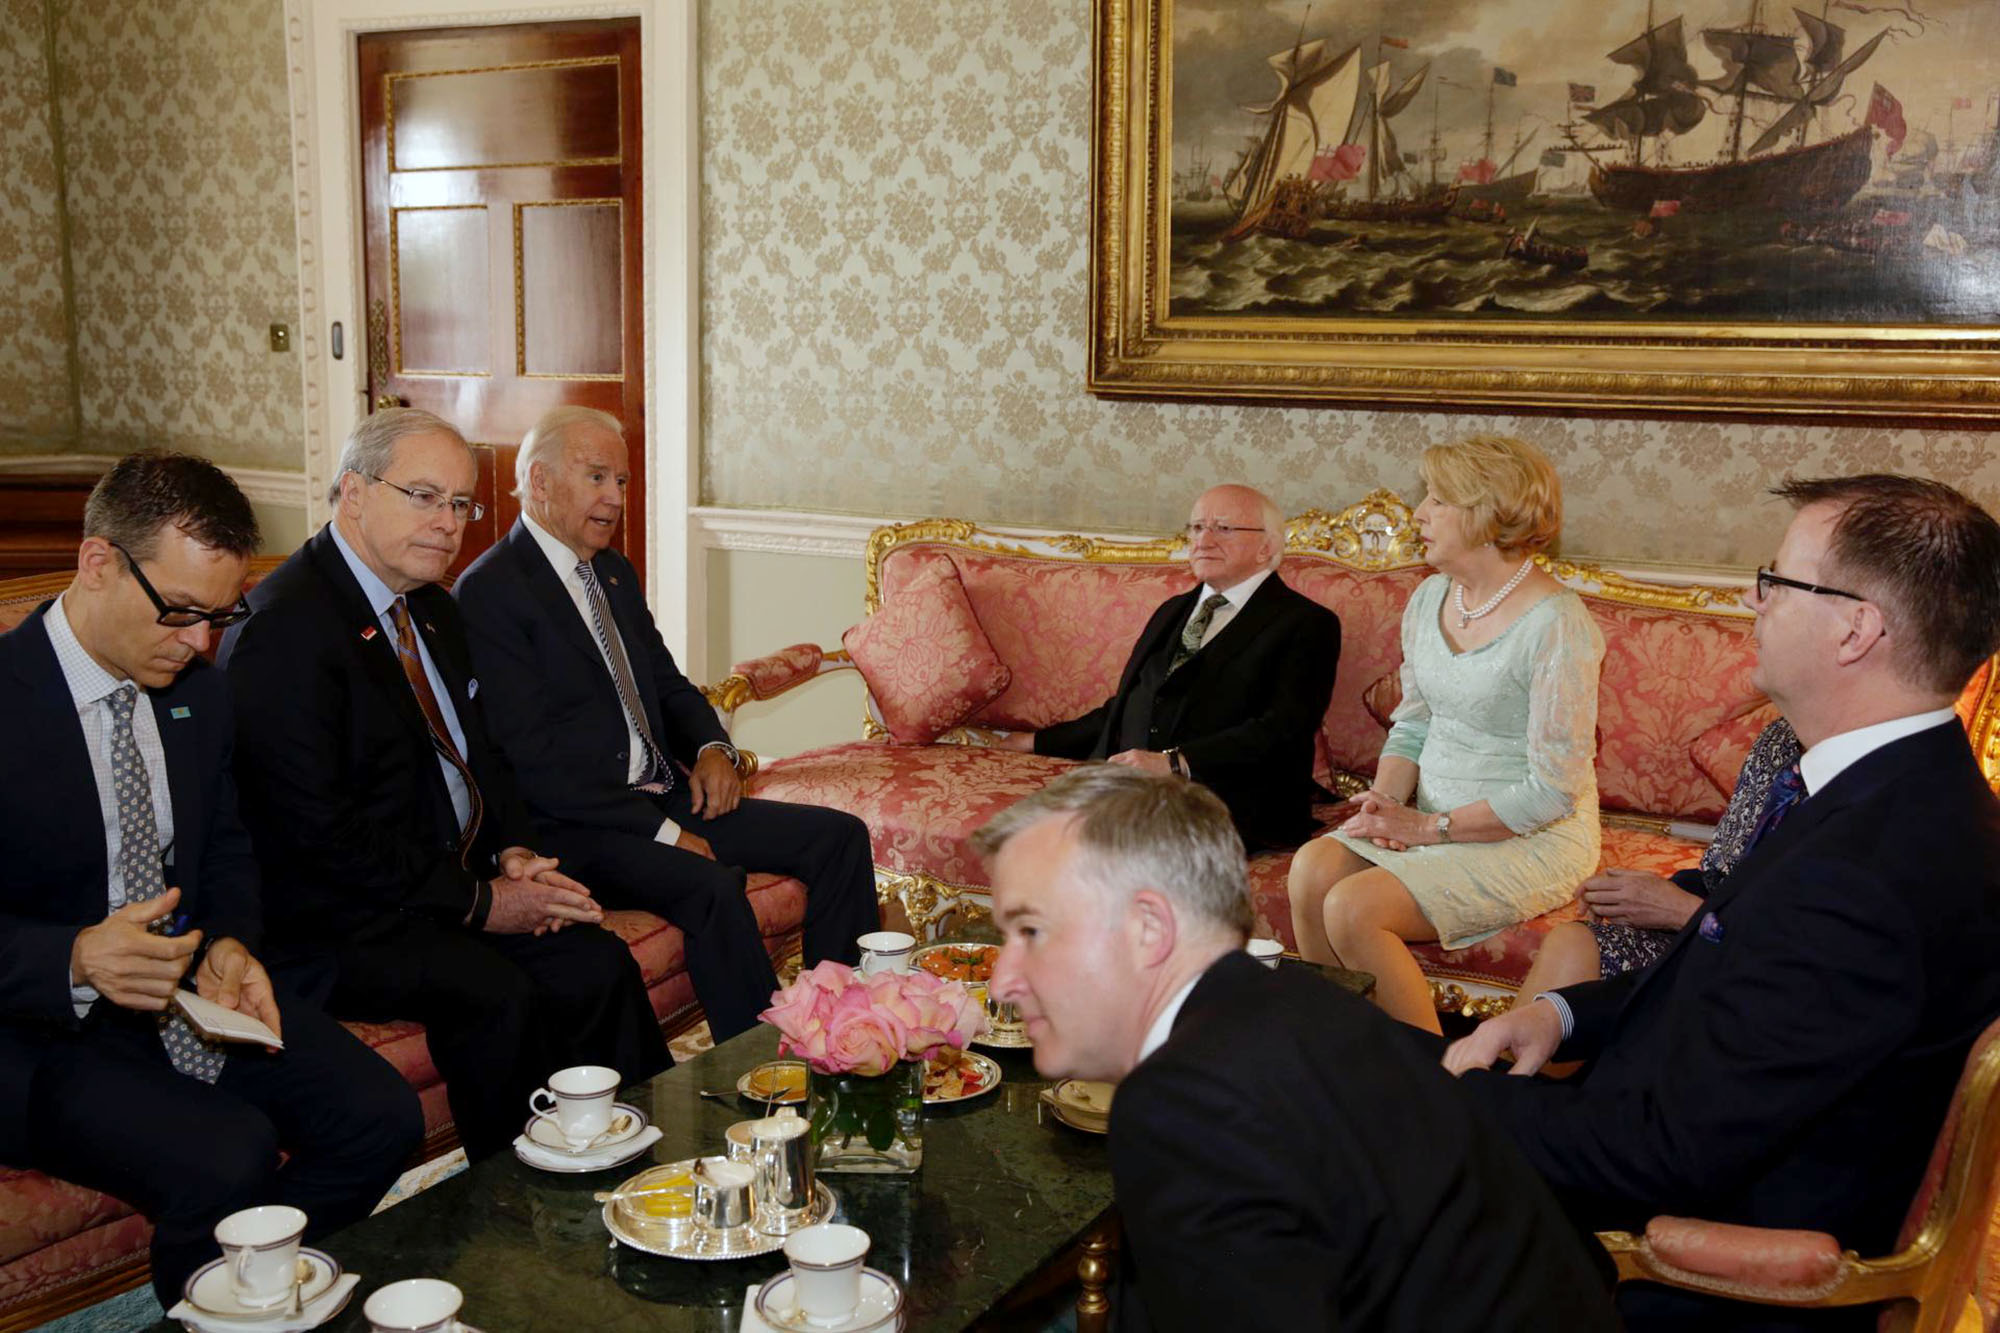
368,634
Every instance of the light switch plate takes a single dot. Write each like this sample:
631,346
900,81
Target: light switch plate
281,337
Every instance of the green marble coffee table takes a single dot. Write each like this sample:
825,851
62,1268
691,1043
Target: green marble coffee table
1004,1191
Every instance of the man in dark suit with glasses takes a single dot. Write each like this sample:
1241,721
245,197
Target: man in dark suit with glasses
130,880
1228,682
387,820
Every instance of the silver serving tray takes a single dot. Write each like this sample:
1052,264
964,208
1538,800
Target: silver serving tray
744,1242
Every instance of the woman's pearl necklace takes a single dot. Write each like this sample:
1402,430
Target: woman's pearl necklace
1485,608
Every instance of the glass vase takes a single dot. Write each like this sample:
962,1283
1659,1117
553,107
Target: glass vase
869,1123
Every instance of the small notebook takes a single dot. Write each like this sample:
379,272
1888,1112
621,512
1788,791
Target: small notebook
212,1020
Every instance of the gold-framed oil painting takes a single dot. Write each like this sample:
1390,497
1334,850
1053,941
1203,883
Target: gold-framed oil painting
1769,206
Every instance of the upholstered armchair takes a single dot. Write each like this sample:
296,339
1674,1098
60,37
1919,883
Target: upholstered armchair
1933,1278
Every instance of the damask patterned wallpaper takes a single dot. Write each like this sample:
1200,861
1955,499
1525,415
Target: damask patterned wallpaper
36,413
181,233
894,287
182,226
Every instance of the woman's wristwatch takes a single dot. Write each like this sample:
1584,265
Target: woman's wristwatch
1443,826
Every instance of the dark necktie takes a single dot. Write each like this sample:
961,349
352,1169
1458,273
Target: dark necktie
1196,626
657,769
441,741
139,865
1788,788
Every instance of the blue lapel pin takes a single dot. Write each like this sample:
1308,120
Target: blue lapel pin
1711,928
180,711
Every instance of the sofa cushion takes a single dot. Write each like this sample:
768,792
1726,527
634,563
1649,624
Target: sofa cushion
1668,676
927,663
1720,751
1065,630
921,803
1370,607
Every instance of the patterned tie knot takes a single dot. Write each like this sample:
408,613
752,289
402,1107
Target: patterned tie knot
585,572
121,701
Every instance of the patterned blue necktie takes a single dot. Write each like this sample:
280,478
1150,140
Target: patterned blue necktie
1788,788
139,864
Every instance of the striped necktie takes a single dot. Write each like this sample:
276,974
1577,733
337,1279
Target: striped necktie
657,769
139,865
441,741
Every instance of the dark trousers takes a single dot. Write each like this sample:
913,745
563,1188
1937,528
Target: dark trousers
826,849
502,1012
107,1111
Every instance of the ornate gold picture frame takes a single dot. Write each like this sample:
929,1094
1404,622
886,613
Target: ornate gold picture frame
1828,249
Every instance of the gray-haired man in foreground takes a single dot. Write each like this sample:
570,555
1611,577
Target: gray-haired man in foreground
1284,1156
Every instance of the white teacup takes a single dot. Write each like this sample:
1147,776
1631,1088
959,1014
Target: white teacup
261,1246
826,1268
415,1305
1267,952
886,951
581,1101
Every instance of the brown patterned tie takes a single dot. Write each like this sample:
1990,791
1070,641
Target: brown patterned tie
413,671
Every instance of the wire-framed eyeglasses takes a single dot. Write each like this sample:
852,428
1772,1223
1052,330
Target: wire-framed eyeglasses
425,500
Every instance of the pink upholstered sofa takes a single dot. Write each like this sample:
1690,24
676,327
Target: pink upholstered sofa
1677,711
62,1246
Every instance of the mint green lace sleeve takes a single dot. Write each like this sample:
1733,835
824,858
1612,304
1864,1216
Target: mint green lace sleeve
1562,722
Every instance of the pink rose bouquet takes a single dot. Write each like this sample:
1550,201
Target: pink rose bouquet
840,1022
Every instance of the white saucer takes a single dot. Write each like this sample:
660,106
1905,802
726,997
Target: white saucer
544,1134
208,1290
881,1306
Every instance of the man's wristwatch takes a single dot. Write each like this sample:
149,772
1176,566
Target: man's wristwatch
1175,761
1444,827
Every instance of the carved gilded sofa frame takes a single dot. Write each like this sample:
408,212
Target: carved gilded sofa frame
1376,535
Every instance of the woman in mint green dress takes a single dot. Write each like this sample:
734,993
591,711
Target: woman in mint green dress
1483,810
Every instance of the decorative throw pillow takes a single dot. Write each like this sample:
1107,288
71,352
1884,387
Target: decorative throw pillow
1720,751
927,663
1381,698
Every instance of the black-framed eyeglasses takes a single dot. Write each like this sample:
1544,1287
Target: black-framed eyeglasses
1766,578
426,500
1193,531
183,617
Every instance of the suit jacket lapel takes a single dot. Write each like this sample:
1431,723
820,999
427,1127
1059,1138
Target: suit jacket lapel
550,594
54,736
1161,630
1254,614
377,650
624,615
179,741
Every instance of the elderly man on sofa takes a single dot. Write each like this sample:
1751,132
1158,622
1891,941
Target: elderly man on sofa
1227,682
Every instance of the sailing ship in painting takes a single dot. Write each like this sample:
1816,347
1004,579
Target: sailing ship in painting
1741,139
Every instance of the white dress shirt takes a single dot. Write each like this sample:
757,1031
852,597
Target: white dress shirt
1235,596
1825,761
564,561
380,598
91,688
1163,1025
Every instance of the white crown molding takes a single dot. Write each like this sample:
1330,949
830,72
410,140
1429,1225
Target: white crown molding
784,531
56,462
271,487
262,485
